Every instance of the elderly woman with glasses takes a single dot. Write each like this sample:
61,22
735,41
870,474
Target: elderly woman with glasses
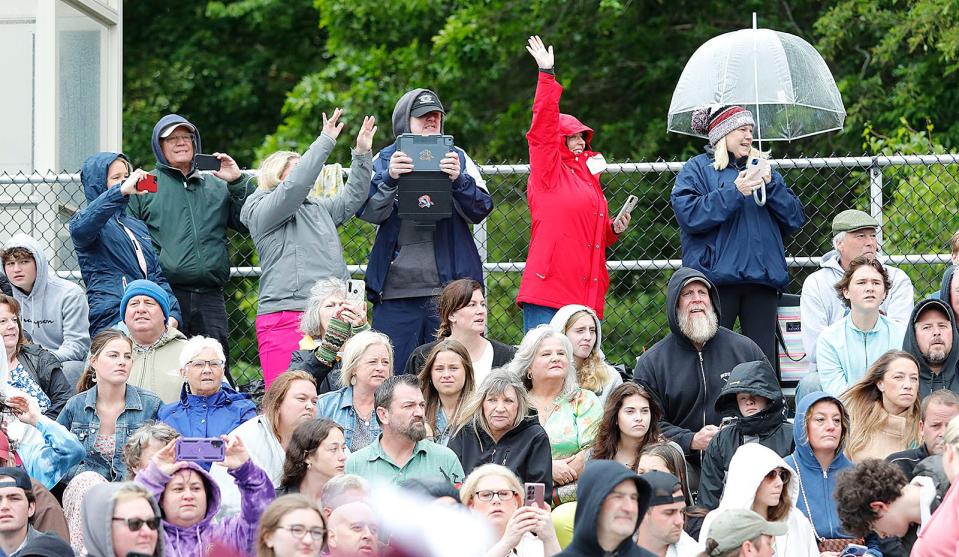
207,407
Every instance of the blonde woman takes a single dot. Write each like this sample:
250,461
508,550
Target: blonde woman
295,235
736,243
884,408
582,327
367,362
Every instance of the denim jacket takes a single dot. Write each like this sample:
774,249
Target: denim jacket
338,406
80,417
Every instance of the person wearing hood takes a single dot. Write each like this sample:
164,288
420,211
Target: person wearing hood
949,289
754,402
207,407
54,311
936,410
409,265
611,503
189,499
187,218
820,431
571,224
283,213
760,480
932,338
145,308
119,519
496,428
582,327
725,234
855,233
688,368
113,248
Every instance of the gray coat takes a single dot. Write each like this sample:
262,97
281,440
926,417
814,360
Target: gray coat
295,233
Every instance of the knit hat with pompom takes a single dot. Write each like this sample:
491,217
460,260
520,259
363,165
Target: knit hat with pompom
717,122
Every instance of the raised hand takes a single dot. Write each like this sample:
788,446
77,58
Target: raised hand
229,171
332,125
129,186
364,139
236,453
165,459
542,54
26,409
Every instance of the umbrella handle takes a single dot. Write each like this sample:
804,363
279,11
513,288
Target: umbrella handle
760,198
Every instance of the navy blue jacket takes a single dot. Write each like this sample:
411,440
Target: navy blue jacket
725,234
105,252
456,254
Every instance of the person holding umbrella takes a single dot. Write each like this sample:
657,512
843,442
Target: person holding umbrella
736,242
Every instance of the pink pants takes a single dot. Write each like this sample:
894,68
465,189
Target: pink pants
278,335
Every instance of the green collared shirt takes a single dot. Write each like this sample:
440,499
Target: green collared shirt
429,460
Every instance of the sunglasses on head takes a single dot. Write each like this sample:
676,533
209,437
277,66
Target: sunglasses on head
134,524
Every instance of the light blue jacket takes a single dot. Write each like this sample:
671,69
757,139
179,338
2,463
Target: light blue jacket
49,461
338,406
844,352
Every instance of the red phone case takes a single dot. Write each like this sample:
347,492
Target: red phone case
147,183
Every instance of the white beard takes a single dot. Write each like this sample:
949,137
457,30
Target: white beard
700,328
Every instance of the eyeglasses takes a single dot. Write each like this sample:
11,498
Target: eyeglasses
178,138
298,531
502,494
778,473
134,524
200,365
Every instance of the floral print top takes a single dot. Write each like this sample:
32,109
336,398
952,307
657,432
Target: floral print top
572,425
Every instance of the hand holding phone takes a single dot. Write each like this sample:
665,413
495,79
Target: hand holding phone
200,449
147,184
534,493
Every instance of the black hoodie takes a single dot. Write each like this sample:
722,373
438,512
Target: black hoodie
597,481
948,378
768,427
686,381
524,449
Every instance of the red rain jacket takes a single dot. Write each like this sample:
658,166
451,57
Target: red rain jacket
572,227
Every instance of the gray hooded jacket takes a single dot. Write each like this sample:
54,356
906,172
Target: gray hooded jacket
97,510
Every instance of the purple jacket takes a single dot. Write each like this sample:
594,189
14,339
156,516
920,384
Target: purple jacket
236,532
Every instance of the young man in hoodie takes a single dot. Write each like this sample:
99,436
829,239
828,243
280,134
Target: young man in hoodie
932,338
688,368
54,311
408,266
611,503
187,218
753,402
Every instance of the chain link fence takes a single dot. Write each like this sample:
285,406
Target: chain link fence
916,198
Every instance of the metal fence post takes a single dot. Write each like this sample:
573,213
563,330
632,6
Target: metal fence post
875,199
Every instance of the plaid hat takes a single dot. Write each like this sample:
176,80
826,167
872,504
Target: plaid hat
426,102
149,288
663,485
19,478
734,526
717,122
853,219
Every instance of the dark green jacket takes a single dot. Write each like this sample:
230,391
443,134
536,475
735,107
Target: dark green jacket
187,218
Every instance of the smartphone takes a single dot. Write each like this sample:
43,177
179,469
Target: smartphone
200,449
534,494
147,183
757,167
854,550
628,207
356,292
206,162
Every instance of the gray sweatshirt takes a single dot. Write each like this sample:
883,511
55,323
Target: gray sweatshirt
295,233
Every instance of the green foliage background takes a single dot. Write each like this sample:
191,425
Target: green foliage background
256,76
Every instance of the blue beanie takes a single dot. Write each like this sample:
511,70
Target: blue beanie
145,288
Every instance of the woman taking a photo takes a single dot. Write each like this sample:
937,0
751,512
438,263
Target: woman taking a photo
495,428
447,382
282,214
463,317
884,408
571,226
367,362
582,327
316,453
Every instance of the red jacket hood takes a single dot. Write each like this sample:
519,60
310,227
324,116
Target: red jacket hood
568,125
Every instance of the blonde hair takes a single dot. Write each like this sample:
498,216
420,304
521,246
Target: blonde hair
721,155
354,349
273,167
277,391
864,403
951,436
468,489
592,374
496,383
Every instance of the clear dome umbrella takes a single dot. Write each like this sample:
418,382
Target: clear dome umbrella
778,77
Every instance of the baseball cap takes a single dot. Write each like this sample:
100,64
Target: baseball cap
929,304
663,485
169,129
696,279
426,102
734,526
19,478
852,219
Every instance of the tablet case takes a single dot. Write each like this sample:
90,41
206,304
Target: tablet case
425,195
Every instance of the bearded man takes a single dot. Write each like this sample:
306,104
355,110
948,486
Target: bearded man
931,337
